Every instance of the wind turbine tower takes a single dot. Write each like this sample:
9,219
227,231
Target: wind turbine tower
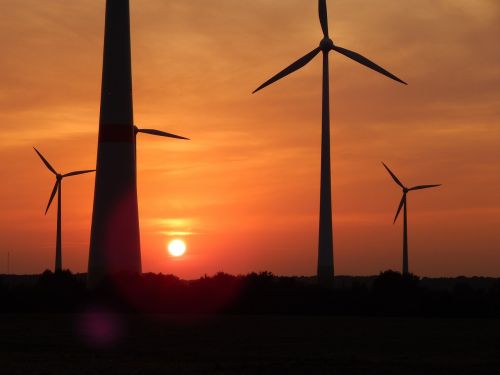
114,240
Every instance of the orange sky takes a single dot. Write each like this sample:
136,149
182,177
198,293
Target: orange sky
245,191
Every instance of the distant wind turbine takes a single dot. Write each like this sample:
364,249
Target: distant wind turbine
57,189
325,243
402,204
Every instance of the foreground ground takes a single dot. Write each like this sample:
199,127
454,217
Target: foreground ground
164,344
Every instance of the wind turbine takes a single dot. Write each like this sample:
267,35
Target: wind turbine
57,189
325,243
402,204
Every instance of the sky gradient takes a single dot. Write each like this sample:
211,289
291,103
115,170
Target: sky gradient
244,193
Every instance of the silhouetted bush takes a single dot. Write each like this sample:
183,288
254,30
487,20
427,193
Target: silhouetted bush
393,282
388,294
397,293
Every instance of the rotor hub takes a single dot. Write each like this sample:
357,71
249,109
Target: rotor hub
406,190
326,44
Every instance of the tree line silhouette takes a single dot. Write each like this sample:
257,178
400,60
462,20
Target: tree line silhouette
388,294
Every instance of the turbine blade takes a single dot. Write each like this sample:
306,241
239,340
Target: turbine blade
401,204
160,133
393,176
54,191
47,164
364,61
323,17
290,69
78,172
420,187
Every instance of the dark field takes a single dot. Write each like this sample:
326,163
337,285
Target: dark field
169,344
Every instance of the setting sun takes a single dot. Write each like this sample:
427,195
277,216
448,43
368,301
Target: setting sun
177,248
